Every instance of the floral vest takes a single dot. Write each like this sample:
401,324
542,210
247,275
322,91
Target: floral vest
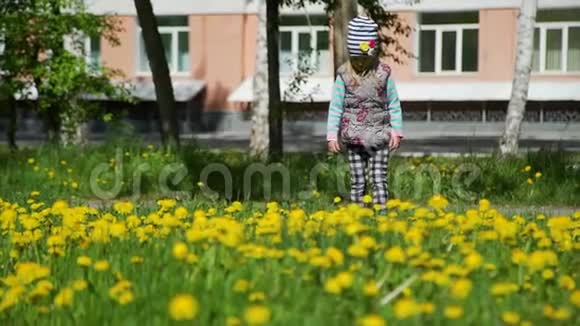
365,120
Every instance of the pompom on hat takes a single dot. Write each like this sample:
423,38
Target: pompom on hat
362,36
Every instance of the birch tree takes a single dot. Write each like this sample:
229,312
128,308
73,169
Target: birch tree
267,109
260,134
508,144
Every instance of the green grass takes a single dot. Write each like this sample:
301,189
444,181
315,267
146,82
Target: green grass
464,180
295,290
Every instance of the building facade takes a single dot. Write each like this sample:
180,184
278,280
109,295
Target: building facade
462,71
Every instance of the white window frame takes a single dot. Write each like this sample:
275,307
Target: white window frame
88,51
313,31
564,27
79,44
439,29
174,31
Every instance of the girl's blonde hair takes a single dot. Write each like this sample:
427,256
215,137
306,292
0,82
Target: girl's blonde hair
360,68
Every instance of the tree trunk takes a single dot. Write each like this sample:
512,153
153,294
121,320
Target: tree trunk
275,107
160,72
52,120
344,11
508,144
74,128
260,136
53,112
11,130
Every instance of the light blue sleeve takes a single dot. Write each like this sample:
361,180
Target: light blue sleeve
335,109
394,106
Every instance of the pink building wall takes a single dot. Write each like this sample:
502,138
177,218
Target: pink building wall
222,52
497,52
223,48
219,54
497,31
124,56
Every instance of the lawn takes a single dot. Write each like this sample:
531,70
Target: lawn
132,235
144,171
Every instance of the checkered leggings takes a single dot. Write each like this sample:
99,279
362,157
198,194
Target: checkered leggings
376,162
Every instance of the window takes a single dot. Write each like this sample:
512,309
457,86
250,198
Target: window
304,44
557,41
93,51
448,42
174,31
84,46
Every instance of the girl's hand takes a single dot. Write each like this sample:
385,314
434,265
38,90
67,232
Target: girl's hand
394,142
333,146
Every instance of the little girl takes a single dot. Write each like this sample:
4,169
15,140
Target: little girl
366,111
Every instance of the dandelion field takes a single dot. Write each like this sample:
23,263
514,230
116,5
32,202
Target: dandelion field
318,261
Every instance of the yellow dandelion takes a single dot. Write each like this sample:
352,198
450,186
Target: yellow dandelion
233,321
101,265
371,320
64,297
453,312
241,285
473,260
510,317
136,259
567,282
406,308
345,279
548,274
427,307
84,261
575,298
371,289
180,250
461,288
335,255
257,296
332,285
395,255
79,285
183,307
438,202
257,315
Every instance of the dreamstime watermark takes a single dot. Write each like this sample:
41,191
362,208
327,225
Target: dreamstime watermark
409,180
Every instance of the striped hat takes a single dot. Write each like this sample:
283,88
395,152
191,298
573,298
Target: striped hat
362,36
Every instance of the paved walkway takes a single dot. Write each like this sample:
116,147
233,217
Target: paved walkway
420,138
440,138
